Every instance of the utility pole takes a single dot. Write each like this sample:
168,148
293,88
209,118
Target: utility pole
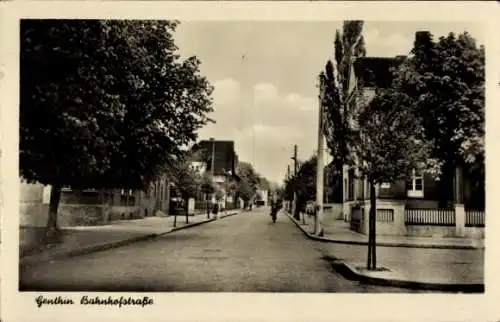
295,160
318,229
212,169
213,157
287,182
295,201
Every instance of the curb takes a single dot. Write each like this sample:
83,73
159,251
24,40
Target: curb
186,226
352,273
230,214
111,245
381,244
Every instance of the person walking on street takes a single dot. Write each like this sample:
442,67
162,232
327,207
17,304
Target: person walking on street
275,207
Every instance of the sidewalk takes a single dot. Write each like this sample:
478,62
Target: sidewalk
339,231
416,267
87,239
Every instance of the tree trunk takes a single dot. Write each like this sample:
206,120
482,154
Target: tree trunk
52,229
446,184
296,209
186,206
175,218
372,255
208,208
373,208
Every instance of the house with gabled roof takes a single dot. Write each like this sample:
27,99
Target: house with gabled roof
407,207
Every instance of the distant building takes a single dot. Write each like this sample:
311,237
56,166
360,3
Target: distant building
262,197
220,153
217,157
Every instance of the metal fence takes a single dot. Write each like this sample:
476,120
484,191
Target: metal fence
437,217
385,214
474,218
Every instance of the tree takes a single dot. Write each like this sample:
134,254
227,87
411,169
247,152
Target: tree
389,146
264,183
249,181
288,189
185,178
306,182
104,104
341,93
445,82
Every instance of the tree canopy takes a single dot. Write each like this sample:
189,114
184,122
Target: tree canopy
306,179
391,139
187,180
105,103
304,183
445,81
249,181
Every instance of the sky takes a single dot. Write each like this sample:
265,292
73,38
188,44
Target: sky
265,79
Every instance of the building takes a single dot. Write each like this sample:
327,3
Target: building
262,197
217,154
400,203
217,157
89,207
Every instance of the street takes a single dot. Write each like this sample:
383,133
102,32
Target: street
242,253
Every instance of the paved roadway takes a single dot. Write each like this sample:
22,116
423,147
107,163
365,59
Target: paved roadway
242,253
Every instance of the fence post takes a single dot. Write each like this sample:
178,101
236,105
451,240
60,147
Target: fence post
459,220
399,218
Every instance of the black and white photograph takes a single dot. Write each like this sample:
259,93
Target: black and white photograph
161,156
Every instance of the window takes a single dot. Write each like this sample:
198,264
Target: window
351,184
385,185
346,190
415,186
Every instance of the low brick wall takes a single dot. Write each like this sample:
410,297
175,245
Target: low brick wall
123,212
386,229
70,215
430,231
474,232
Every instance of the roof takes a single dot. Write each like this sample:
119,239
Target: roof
376,71
225,158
